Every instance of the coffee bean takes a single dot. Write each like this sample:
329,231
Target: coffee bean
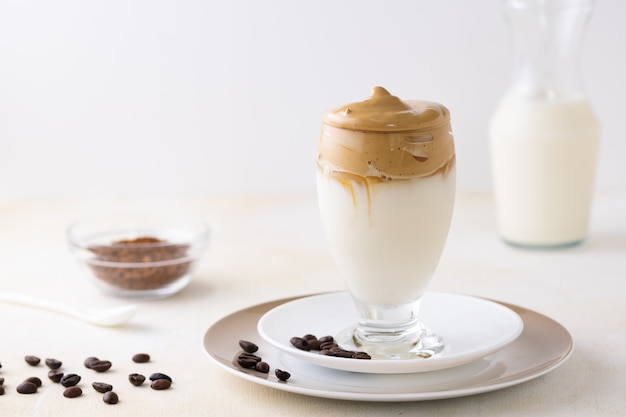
159,375
246,362
1,390
328,345
70,380
161,384
110,397
1,380
247,346
54,375
250,356
141,358
89,361
263,367
344,354
362,355
300,343
136,379
53,363
27,388
282,375
34,380
72,392
32,360
102,387
100,366
314,344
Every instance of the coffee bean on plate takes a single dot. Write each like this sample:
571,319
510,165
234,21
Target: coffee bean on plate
1,390
300,343
72,392
141,358
262,367
102,387
247,346
53,363
161,384
282,375
136,379
159,375
32,360
27,388
248,360
55,375
70,380
1,380
110,397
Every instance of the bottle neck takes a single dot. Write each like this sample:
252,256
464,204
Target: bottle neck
547,38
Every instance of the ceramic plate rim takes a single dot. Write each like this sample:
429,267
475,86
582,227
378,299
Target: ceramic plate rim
558,336
393,366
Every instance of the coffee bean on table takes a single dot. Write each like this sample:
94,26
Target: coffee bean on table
282,375
110,397
1,380
70,380
141,358
100,366
161,384
73,392
247,346
55,375
53,363
34,380
102,387
1,390
159,375
27,388
89,361
32,360
136,379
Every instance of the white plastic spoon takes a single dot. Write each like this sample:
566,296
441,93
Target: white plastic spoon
112,316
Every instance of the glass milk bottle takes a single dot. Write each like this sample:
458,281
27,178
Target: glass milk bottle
544,135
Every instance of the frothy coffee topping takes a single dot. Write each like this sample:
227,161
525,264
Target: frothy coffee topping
386,138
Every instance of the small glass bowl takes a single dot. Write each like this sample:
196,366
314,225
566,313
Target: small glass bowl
139,255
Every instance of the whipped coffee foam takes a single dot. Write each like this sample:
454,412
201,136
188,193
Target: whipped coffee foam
386,138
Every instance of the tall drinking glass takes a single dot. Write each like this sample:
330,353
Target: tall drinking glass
386,186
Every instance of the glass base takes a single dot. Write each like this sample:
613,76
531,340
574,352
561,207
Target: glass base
418,343
558,246
390,331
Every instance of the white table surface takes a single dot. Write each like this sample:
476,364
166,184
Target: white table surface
268,247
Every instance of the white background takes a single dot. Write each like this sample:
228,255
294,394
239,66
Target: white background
172,97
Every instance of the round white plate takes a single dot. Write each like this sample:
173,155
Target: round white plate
471,327
543,346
